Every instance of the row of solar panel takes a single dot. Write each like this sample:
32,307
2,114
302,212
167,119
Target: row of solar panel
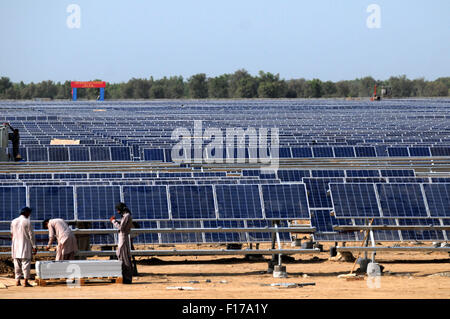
125,153
165,155
287,201
181,237
391,200
285,175
324,221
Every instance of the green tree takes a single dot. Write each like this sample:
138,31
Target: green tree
218,87
198,87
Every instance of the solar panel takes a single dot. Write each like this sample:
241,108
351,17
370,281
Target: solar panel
52,202
324,222
147,238
397,172
12,200
438,199
224,237
301,152
238,201
99,153
440,151
397,151
421,234
344,151
192,202
318,191
362,173
381,235
327,173
147,202
38,154
354,200
154,155
120,153
79,154
266,236
58,154
285,201
181,238
419,151
363,151
401,200
97,202
292,175
323,151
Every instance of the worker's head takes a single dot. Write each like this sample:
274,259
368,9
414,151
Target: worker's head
16,131
26,211
121,208
45,223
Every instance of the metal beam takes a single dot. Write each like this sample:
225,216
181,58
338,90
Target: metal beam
393,249
390,227
188,252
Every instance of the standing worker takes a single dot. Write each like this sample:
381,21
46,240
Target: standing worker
67,243
124,246
14,137
23,246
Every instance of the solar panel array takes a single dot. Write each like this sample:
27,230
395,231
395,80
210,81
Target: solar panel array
234,198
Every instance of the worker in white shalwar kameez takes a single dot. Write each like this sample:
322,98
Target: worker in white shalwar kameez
23,246
67,243
124,248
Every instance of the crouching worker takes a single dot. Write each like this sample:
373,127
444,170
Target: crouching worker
23,246
124,246
67,243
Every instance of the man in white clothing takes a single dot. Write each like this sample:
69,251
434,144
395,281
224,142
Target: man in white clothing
23,246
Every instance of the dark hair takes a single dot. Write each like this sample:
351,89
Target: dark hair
121,207
25,210
45,222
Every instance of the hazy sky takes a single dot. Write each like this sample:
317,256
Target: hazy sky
327,39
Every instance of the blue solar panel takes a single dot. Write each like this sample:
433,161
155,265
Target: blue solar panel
397,172
238,201
266,236
438,199
398,151
79,154
365,151
192,202
419,151
285,201
318,191
12,199
327,173
52,202
324,222
381,150
58,154
421,234
38,154
354,200
147,238
362,173
224,237
97,202
284,152
147,202
344,151
181,238
301,152
34,176
323,151
99,153
440,151
154,155
120,153
286,175
401,200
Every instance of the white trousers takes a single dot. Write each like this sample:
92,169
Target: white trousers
22,267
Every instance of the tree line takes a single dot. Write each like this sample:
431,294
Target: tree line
240,84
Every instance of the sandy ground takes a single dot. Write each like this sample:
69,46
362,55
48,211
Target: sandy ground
406,275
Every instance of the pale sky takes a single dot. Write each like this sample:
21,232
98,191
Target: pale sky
327,39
